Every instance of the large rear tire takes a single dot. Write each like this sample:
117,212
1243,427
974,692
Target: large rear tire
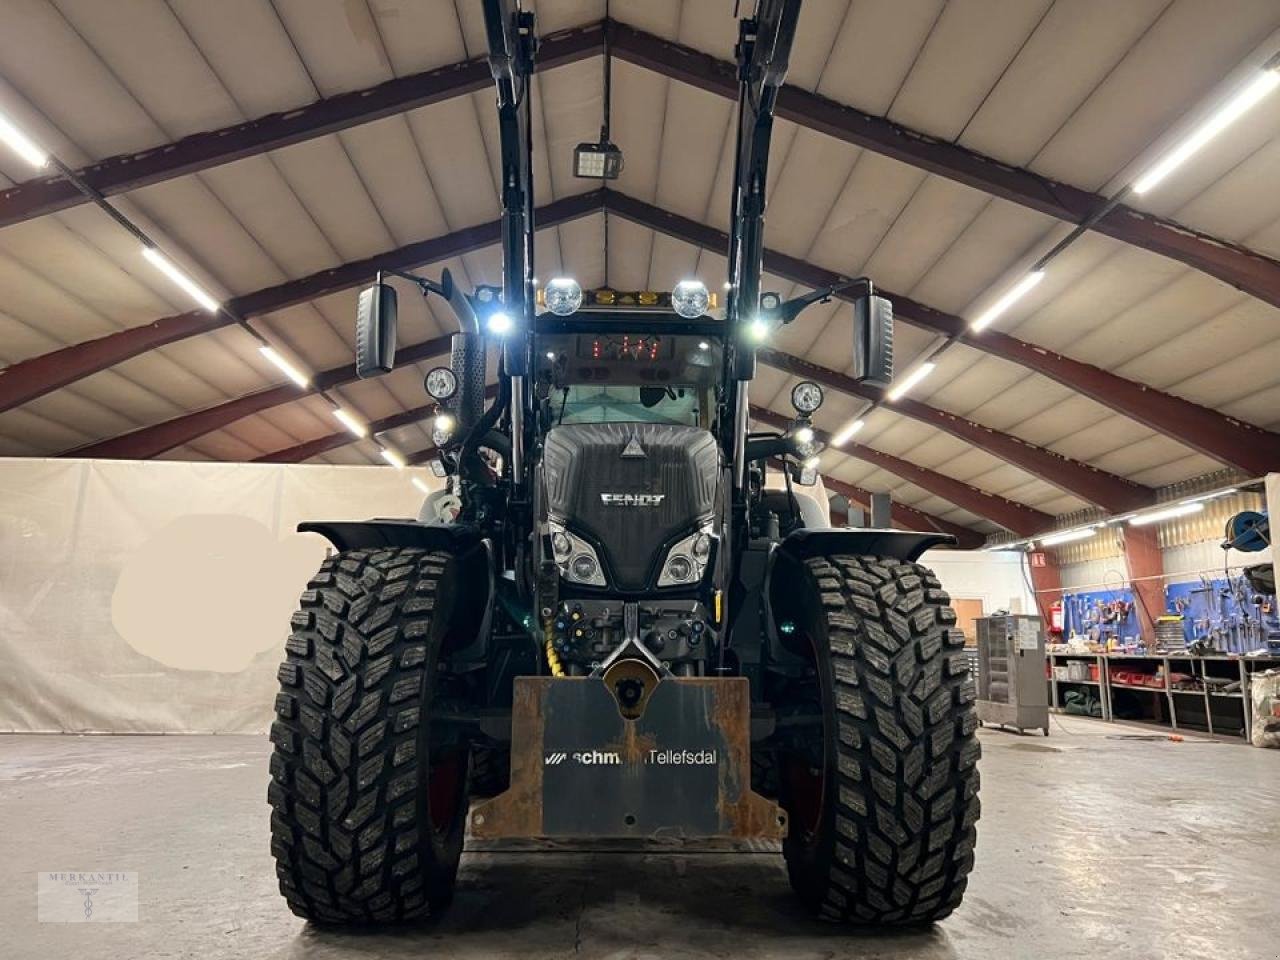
368,802
882,807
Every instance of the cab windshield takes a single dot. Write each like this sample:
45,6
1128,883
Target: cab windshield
629,375
595,403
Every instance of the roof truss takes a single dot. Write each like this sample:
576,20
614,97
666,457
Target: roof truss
1245,269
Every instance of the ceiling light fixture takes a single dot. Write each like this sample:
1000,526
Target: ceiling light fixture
1156,516
846,433
1227,114
21,144
421,485
1015,293
1212,496
601,160
910,380
392,457
350,422
289,370
1067,536
170,270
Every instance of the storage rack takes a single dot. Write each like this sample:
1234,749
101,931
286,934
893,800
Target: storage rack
1196,667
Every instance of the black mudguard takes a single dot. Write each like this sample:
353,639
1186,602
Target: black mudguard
366,534
899,544
472,607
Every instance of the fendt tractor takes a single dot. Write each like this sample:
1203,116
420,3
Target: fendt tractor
625,615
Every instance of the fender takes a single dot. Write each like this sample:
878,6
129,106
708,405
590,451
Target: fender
898,544
367,534
469,608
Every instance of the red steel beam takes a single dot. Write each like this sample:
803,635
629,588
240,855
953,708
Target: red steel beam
1230,441
1242,268
1106,490
28,379
1018,517
147,442
903,516
909,518
200,151
312,448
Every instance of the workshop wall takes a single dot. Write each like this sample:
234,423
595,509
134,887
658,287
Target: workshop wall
996,577
154,596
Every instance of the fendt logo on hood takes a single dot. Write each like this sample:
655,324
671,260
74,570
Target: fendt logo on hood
632,499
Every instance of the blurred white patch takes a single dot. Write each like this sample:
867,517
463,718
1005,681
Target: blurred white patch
210,592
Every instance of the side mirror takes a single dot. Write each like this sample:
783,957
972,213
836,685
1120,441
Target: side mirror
375,330
873,340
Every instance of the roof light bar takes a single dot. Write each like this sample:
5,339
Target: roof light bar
1015,293
1156,516
350,422
846,433
21,144
392,457
170,270
910,380
1229,113
289,370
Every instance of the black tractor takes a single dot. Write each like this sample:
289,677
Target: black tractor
625,615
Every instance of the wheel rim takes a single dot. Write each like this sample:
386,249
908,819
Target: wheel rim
804,772
445,780
805,788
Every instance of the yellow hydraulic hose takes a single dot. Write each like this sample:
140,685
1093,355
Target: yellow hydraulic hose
553,660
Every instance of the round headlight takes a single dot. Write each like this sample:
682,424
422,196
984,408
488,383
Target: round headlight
701,545
806,396
583,567
690,299
680,568
563,296
560,545
441,383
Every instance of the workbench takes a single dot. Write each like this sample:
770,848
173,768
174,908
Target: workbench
1233,706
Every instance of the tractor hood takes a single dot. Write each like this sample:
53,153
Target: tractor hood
631,489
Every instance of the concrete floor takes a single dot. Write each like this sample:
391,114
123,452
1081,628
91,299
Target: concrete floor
1088,846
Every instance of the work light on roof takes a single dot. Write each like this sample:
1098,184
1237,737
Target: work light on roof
563,296
690,298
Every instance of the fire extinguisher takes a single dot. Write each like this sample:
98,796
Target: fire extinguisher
1055,617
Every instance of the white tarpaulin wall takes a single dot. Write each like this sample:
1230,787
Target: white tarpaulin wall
154,596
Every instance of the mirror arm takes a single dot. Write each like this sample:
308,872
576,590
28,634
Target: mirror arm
446,290
784,313
767,447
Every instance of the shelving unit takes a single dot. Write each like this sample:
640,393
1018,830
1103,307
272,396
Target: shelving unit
1232,707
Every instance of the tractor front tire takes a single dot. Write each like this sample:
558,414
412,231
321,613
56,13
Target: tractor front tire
881,809
368,802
